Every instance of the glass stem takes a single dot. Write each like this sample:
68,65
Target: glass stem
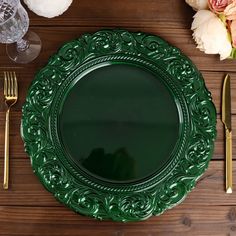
22,45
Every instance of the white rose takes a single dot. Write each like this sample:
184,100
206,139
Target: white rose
198,4
48,8
211,34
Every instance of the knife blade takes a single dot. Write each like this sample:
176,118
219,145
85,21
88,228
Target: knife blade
226,119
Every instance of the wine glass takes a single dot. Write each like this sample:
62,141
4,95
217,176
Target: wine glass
22,46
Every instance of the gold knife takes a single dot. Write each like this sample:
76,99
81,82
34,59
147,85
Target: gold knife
226,119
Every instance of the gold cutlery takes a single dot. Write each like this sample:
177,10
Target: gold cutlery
11,96
226,119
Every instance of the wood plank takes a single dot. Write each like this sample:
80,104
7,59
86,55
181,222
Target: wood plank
17,146
213,82
25,188
54,37
139,13
27,209
55,221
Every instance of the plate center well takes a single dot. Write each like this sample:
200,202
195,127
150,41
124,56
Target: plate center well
119,123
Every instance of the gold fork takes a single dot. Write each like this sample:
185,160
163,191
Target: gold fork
11,96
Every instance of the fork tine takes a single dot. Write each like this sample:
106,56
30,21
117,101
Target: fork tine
16,85
9,81
8,85
12,84
5,84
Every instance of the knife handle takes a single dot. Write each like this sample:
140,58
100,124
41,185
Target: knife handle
228,150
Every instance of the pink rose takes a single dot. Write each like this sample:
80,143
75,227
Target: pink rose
218,6
233,32
230,11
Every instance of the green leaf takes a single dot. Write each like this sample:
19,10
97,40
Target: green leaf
233,54
222,18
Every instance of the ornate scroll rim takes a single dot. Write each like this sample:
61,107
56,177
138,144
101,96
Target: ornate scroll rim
104,203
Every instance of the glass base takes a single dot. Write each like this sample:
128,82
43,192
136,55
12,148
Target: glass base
26,50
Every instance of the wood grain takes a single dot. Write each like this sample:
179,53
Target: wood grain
57,221
119,13
27,209
54,37
26,190
17,145
213,81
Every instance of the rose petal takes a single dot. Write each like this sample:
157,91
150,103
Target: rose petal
211,34
198,4
233,32
200,17
218,6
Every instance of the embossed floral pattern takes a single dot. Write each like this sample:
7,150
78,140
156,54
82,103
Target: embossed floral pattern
126,203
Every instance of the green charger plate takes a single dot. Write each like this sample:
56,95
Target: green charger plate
119,125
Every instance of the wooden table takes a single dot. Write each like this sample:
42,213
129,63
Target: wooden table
28,209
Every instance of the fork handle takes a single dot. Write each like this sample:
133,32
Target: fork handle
6,152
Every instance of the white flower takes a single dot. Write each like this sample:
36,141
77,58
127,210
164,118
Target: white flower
211,34
48,8
198,4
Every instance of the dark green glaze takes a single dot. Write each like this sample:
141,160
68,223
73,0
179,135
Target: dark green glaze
120,122
132,104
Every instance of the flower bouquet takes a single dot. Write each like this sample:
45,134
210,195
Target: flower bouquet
214,26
